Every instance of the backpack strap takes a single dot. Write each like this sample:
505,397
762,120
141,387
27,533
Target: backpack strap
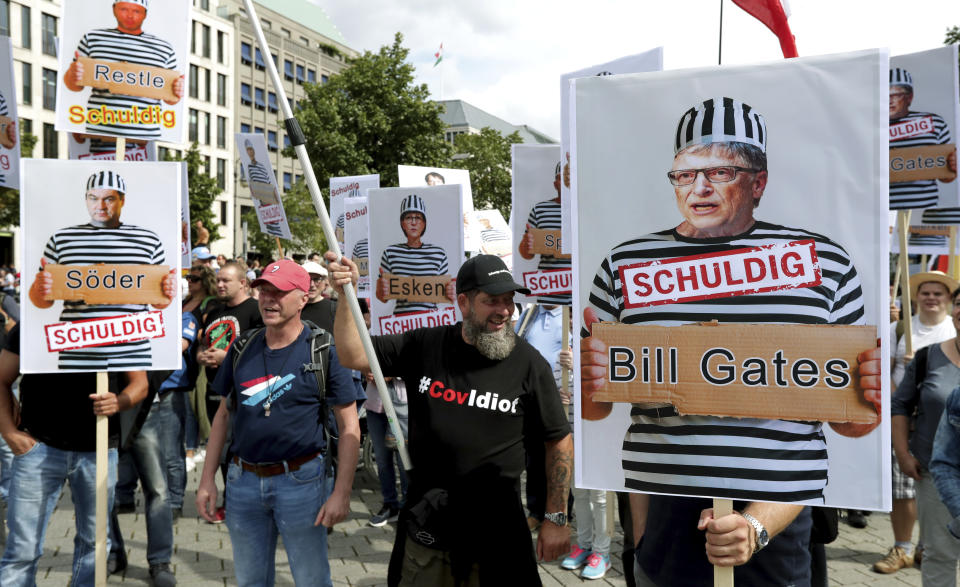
920,367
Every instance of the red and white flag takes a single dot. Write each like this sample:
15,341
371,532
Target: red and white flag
774,16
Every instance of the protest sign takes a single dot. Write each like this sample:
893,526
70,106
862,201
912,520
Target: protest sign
356,240
122,69
651,60
258,171
95,148
352,186
416,247
924,115
667,235
929,232
9,131
101,265
495,236
414,176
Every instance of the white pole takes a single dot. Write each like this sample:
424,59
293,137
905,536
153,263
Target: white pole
297,140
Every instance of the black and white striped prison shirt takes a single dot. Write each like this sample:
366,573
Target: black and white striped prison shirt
361,250
86,245
5,111
752,459
142,49
921,193
402,259
546,216
257,172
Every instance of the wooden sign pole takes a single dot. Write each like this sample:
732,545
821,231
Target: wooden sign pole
279,248
896,279
924,259
103,462
954,265
722,576
565,345
903,226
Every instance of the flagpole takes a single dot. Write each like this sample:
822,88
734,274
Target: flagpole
720,41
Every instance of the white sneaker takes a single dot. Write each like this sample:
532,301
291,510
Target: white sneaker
200,455
191,464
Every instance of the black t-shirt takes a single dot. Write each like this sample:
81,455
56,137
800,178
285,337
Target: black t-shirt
223,325
55,408
320,313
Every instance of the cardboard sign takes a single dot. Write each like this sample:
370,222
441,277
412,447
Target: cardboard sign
95,332
4,140
109,284
419,288
929,230
397,324
363,265
786,372
547,242
129,79
264,192
913,163
541,283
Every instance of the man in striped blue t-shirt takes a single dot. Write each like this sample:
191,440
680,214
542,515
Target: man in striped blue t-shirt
126,43
719,175
105,239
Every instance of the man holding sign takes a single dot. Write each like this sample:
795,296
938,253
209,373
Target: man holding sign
100,345
914,129
690,274
110,111
546,216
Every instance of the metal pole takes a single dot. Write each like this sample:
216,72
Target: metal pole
297,140
720,42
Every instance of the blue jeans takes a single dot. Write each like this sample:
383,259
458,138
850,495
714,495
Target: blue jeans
38,478
191,428
378,427
260,509
173,451
945,461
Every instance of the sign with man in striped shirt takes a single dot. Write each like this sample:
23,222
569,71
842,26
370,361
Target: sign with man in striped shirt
416,176
103,238
416,247
9,135
258,172
752,237
352,186
923,113
356,236
122,66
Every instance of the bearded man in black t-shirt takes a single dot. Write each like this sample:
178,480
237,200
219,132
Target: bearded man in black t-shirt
480,394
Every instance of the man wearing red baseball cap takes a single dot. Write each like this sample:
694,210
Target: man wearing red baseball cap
279,473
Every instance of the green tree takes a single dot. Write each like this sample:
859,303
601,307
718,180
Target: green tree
203,193
304,225
9,197
953,36
487,157
371,117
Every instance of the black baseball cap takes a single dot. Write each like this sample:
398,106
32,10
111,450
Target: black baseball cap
489,274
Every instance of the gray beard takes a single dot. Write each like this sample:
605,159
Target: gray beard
493,345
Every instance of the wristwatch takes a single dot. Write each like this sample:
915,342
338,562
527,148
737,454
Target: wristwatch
762,537
558,518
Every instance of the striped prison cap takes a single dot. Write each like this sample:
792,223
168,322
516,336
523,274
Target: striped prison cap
721,120
143,3
412,203
901,77
106,179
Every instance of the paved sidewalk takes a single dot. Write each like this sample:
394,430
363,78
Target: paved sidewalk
359,553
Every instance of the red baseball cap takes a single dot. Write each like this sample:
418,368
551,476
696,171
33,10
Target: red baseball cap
284,275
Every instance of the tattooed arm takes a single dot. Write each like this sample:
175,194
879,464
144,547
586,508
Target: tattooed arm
553,540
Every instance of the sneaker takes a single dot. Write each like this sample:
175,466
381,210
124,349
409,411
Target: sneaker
895,560
199,456
856,519
126,508
162,576
597,566
190,464
220,515
386,514
575,559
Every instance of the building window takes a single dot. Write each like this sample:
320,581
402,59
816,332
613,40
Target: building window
272,102
246,53
193,37
206,165
194,74
311,76
298,178
223,213
51,140
245,97
221,42
300,76
5,18
324,79
49,89
25,37
222,174
194,116
205,39
285,32
259,60
206,128
26,83
272,140
258,130
276,63
48,25
221,132
244,127
266,23
205,5
305,41
207,96
221,90
258,100
287,181
288,69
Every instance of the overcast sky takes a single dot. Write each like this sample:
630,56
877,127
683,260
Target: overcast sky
506,56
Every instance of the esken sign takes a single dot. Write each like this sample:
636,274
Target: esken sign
419,288
915,163
396,324
786,372
83,334
547,242
109,284
129,79
727,273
